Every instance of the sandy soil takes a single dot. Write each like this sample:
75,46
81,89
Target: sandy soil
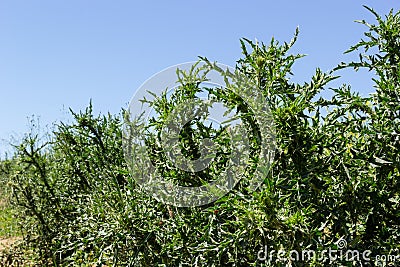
7,242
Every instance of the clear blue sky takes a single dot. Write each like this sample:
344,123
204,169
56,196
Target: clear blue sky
59,54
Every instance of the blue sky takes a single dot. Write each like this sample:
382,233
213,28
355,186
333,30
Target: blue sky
59,54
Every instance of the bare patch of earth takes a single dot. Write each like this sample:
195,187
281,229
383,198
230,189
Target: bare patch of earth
8,242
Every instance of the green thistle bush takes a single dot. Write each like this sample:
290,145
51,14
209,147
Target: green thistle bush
335,176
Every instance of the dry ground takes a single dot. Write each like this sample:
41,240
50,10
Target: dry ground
7,242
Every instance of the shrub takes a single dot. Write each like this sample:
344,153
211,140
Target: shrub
335,176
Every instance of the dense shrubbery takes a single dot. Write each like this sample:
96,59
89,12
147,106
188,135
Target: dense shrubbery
335,177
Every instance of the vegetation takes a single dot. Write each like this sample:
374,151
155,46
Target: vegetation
8,226
335,176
